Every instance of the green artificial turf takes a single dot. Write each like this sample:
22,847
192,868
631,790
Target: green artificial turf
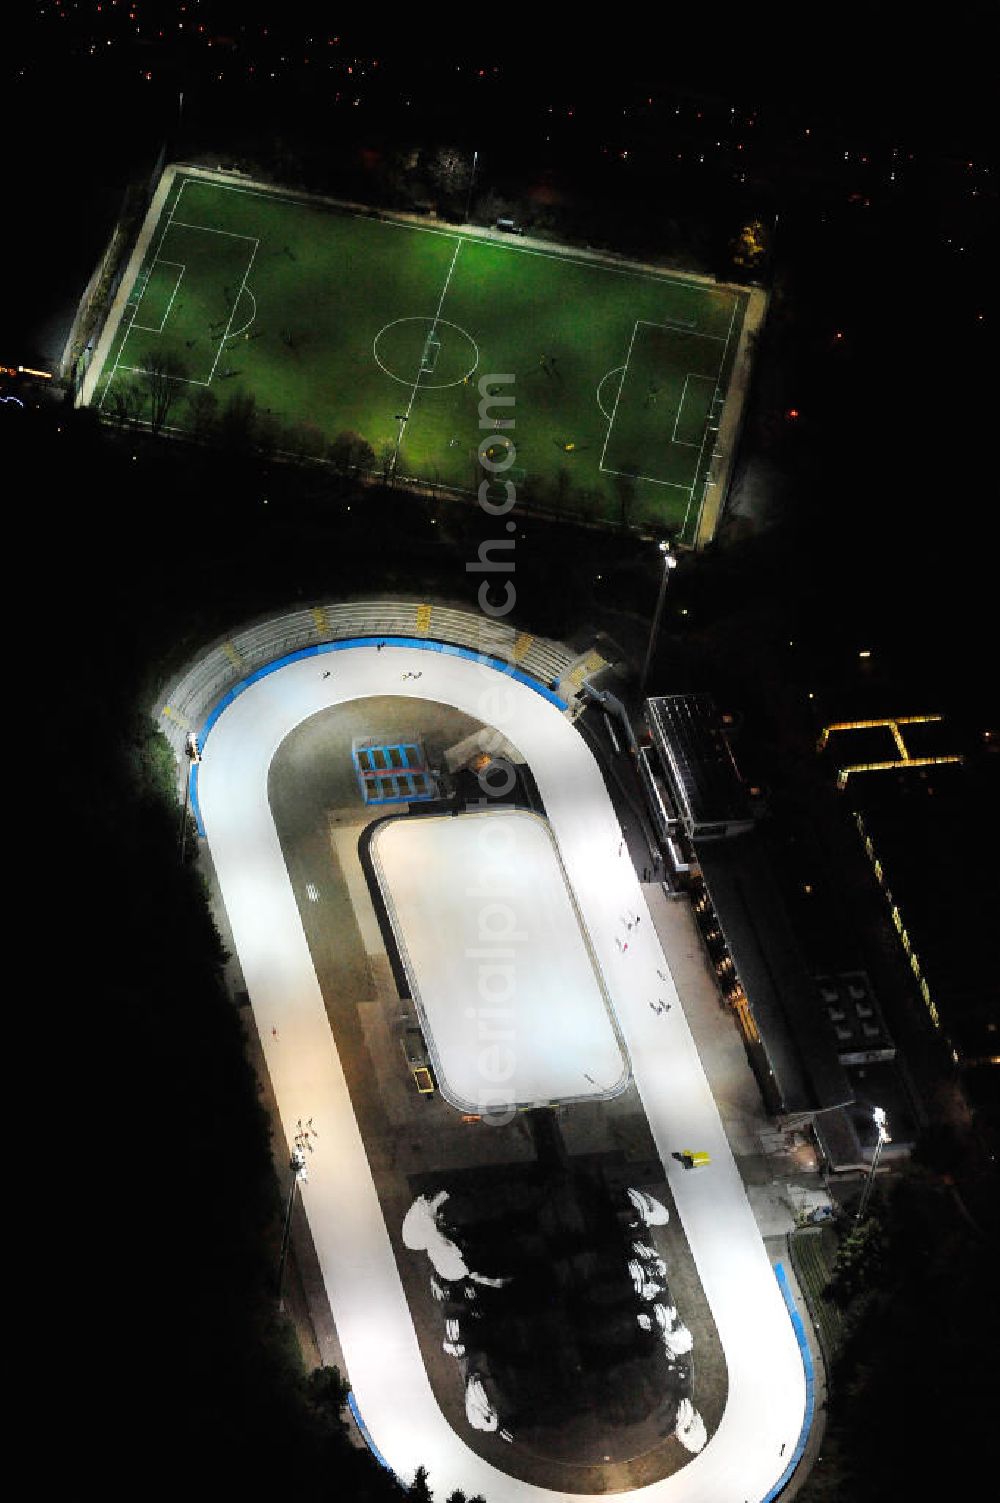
342,322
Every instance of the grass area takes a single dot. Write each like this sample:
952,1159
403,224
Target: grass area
337,322
813,1252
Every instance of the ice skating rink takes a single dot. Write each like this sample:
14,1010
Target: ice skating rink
748,1454
500,967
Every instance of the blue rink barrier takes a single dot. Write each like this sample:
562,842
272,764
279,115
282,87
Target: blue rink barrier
448,649
807,1364
363,1428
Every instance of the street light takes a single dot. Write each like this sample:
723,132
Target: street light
883,1137
302,1143
472,179
193,753
669,562
402,418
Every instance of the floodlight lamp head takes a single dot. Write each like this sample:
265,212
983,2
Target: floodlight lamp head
878,1113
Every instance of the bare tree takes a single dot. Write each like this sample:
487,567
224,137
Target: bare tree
238,423
127,402
162,377
349,453
625,492
203,410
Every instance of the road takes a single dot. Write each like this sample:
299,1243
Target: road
766,1405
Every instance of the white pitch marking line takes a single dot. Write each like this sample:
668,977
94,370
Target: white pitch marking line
606,377
135,309
630,475
249,320
163,321
232,310
434,325
141,370
683,327
621,388
690,375
680,404
210,230
722,366
149,328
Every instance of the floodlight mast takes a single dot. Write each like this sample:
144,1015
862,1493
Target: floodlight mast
472,179
297,1163
193,752
878,1116
669,563
402,418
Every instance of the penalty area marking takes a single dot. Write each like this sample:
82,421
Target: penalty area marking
652,479
210,229
148,328
717,395
144,370
617,370
250,320
691,376
634,475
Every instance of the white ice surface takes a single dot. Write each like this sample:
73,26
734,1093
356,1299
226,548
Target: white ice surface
421,1233
499,965
766,1398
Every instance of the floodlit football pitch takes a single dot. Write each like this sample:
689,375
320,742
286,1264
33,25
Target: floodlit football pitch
341,322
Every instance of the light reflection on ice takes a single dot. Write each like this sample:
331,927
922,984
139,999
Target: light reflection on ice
651,1211
478,1409
690,1429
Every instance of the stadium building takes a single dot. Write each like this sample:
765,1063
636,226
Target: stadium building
810,1021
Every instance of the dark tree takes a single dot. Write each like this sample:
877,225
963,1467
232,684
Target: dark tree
449,170
328,1391
418,1488
349,453
238,423
625,492
162,377
127,402
203,409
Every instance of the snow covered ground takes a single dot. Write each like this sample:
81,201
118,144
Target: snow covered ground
513,1006
760,1426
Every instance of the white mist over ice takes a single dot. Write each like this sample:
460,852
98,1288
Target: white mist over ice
478,1409
422,1234
690,1429
651,1211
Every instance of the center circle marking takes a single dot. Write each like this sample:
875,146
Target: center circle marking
431,323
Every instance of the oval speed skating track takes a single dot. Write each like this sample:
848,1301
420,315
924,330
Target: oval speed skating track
764,1414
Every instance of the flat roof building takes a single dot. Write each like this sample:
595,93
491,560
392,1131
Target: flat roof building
690,770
